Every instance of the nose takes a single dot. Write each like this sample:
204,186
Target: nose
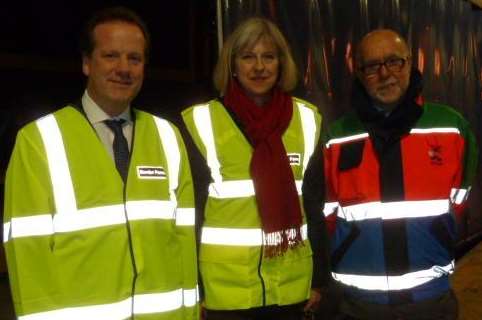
123,65
383,71
259,65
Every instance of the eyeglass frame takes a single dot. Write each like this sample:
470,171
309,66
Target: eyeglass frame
384,63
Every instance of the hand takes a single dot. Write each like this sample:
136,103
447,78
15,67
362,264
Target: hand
314,301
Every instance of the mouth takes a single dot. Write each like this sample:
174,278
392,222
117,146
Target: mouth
259,79
387,86
123,83
388,89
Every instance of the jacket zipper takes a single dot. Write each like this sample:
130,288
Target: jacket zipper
128,225
260,276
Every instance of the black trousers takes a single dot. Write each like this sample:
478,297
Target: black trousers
289,312
444,307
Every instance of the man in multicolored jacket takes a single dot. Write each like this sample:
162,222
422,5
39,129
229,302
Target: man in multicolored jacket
398,173
99,206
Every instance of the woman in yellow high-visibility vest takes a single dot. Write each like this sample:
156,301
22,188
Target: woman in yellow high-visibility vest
256,261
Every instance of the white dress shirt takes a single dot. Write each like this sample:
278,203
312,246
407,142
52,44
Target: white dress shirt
97,116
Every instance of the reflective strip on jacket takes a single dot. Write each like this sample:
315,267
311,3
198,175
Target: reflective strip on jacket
80,244
235,274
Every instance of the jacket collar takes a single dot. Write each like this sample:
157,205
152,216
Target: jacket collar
400,120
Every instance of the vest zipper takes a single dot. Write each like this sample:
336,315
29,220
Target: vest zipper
131,252
260,276
128,225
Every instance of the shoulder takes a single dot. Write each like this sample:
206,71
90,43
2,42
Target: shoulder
146,118
213,103
308,109
435,114
304,103
347,125
441,109
64,114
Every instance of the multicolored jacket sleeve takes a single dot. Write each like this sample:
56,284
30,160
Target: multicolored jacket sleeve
468,169
331,199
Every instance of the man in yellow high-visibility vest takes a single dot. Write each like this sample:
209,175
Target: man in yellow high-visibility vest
99,217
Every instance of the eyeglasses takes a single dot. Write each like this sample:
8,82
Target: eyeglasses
392,64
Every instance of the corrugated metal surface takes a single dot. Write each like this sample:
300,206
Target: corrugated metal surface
445,37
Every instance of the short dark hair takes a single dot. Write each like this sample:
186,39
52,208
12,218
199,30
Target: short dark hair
111,14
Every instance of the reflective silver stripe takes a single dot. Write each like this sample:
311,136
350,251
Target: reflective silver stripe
394,210
173,155
308,124
202,120
158,302
231,189
38,225
64,196
191,297
413,131
150,209
330,208
298,184
185,217
238,189
346,139
458,196
237,236
6,231
387,283
113,311
111,215
143,304
91,218
435,130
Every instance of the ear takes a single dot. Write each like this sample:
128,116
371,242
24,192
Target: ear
409,62
356,70
86,65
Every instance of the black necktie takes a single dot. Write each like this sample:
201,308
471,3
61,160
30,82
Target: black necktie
120,146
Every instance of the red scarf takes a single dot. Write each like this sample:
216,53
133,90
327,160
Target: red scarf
276,194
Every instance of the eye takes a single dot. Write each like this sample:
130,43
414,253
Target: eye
110,55
395,62
135,59
371,67
270,56
247,56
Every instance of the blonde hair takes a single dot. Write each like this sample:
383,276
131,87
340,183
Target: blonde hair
247,35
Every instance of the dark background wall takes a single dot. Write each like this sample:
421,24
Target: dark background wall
40,66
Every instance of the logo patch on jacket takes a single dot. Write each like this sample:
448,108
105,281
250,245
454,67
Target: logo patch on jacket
145,172
294,158
435,155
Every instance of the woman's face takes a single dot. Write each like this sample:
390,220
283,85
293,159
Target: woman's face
257,68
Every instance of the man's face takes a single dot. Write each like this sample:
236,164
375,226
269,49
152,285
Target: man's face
389,83
115,69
